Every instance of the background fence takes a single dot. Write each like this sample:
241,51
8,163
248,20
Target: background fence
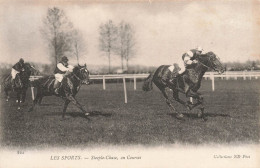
235,75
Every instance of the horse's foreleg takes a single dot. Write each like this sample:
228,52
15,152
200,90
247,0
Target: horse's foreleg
66,103
74,101
18,98
35,101
6,95
201,114
200,102
40,100
23,95
176,98
175,95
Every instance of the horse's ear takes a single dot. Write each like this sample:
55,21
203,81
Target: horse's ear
211,53
85,65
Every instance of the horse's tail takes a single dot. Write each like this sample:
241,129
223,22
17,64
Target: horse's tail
148,83
6,81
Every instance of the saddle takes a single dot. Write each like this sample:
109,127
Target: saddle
174,70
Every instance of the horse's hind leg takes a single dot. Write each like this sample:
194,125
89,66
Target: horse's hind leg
168,102
66,103
178,115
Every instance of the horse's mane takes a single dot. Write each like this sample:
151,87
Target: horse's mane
206,55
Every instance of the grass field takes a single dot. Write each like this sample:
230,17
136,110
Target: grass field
232,111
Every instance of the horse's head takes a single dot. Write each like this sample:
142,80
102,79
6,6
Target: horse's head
82,73
210,60
22,78
26,72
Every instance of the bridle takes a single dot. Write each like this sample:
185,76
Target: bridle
206,65
77,77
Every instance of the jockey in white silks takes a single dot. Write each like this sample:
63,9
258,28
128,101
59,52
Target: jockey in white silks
60,71
187,59
16,69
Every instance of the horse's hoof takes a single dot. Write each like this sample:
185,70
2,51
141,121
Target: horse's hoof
87,114
63,118
19,108
6,100
180,116
204,118
16,101
189,102
199,114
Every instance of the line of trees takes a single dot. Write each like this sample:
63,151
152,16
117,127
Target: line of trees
118,40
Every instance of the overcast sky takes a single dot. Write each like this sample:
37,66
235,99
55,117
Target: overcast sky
163,30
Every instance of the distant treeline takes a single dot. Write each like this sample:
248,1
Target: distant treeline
47,69
238,66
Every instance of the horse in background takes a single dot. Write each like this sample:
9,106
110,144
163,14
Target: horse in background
21,84
70,86
187,83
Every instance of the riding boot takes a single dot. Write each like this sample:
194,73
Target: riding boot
57,86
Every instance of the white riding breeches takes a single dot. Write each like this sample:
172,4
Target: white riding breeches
13,73
182,66
59,77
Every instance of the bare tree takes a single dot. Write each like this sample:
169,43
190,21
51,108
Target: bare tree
107,39
58,31
126,43
79,46
130,44
121,49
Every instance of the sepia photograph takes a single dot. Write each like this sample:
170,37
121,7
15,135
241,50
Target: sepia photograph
125,83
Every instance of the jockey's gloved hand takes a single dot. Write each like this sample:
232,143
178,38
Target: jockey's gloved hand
194,61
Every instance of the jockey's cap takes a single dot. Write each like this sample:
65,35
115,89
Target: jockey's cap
21,61
199,48
64,59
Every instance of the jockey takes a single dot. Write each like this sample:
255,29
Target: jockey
16,69
188,58
60,71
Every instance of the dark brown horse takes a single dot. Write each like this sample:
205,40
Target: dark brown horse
21,84
70,86
188,83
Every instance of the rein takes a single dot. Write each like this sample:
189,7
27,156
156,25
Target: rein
205,65
76,77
